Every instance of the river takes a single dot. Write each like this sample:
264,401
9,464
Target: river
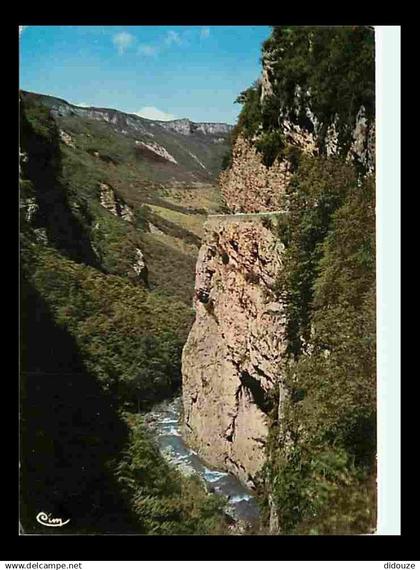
164,422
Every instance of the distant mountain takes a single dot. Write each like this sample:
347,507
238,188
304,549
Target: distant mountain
183,126
198,151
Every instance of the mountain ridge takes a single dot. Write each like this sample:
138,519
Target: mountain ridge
183,125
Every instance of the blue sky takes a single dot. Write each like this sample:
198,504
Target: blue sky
161,72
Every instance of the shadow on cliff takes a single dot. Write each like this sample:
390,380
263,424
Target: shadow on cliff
39,138
69,431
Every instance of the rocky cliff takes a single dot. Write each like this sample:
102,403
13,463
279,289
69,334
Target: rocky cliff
303,113
187,127
315,97
317,89
249,185
233,355
252,185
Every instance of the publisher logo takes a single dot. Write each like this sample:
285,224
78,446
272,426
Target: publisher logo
48,520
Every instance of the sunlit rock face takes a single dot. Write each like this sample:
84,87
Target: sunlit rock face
187,127
233,355
311,134
249,185
132,121
114,204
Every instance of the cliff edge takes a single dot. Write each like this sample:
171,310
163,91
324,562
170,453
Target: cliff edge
233,355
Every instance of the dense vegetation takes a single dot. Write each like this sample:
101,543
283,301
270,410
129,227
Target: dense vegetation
317,189
320,474
130,339
329,72
98,346
323,449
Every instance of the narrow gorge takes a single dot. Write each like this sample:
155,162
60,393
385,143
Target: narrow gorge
199,306
293,163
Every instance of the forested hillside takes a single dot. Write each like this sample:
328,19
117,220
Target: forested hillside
104,315
311,115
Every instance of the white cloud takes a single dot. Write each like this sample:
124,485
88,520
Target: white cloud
83,105
122,41
22,29
148,50
205,32
173,37
154,114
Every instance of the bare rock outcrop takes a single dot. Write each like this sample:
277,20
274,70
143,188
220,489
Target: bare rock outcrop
187,127
249,185
114,204
66,138
139,265
234,352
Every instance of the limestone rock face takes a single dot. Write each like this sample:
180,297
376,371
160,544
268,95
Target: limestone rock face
159,150
312,135
114,204
363,145
234,352
124,121
139,266
250,186
107,198
187,127
30,208
66,138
